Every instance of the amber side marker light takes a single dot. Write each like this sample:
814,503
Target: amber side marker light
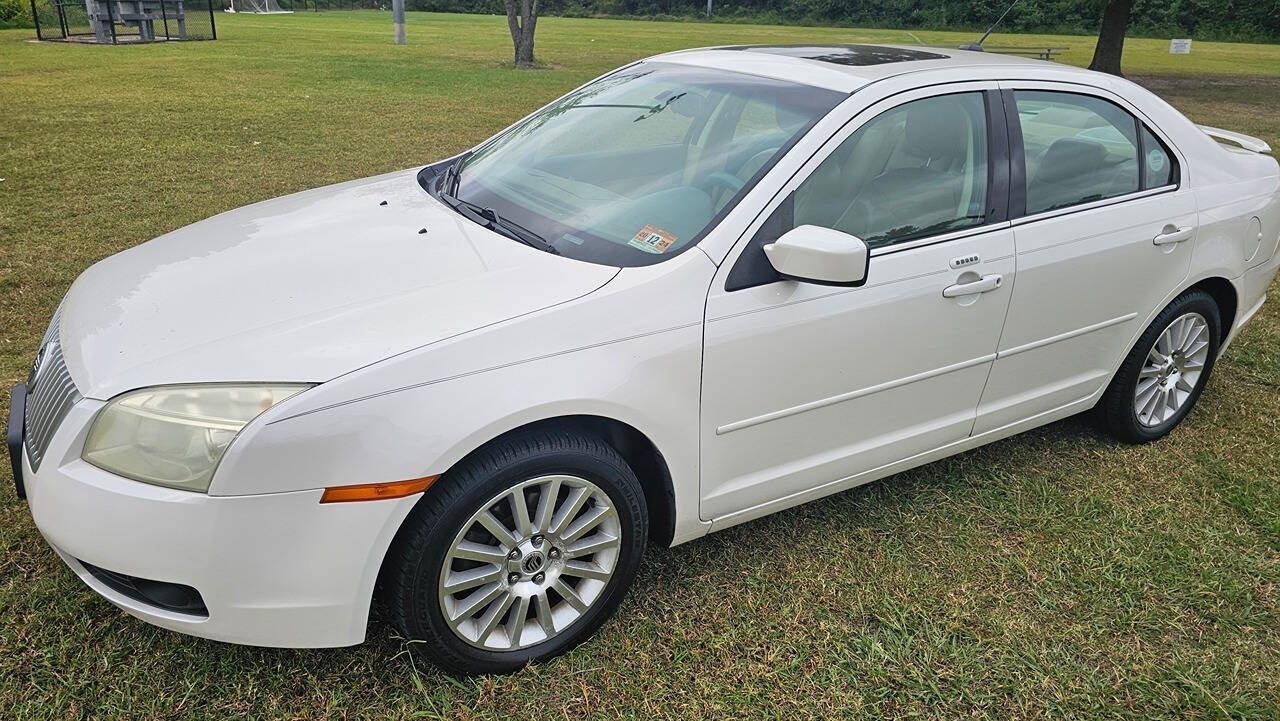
377,491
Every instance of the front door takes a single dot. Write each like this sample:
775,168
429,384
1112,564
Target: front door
806,385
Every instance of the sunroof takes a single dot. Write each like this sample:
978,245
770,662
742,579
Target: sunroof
844,54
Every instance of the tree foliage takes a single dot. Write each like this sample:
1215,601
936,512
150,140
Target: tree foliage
1202,19
14,13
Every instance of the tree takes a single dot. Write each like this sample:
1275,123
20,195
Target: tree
1115,22
522,25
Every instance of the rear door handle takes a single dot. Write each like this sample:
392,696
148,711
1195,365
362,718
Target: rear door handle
1173,234
982,285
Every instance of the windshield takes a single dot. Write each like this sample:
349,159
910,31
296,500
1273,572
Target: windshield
635,167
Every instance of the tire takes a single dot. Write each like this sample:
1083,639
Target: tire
445,536
1169,390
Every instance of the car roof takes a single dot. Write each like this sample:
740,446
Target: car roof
844,68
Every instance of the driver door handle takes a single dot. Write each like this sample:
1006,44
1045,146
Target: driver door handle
982,285
1172,234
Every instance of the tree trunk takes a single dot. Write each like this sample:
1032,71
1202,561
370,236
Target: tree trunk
522,23
1115,22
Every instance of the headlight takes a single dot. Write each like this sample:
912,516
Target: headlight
175,435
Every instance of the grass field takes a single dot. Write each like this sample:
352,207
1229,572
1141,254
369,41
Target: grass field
1054,574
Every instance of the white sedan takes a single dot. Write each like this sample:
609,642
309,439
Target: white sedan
697,290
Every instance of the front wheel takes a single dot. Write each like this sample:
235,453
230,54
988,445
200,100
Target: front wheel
519,554
1166,371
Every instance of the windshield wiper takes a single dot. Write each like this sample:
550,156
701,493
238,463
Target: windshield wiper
446,183
452,176
490,219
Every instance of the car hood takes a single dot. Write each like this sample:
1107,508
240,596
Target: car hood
303,288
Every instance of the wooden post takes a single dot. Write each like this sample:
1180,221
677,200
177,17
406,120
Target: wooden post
397,10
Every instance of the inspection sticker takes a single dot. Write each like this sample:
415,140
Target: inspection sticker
652,240
1155,160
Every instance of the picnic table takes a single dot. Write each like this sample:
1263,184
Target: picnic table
1042,53
143,14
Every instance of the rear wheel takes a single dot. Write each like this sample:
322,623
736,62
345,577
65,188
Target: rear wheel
519,554
1166,371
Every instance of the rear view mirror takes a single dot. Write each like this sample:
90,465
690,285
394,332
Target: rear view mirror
820,255
690,105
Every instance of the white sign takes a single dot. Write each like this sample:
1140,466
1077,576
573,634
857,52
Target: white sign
1180,46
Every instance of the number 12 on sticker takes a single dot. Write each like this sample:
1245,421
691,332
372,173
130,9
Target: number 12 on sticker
652,239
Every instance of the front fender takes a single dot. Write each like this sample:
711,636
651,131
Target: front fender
634,354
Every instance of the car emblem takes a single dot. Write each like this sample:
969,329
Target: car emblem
532,563
37,365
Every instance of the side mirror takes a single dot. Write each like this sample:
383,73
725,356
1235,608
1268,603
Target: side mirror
820,255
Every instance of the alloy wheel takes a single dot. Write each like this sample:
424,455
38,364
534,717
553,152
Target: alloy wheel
530,562
1172,369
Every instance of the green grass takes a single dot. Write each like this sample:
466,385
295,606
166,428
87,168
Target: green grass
1054,574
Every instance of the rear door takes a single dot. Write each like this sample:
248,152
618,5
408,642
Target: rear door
1103,228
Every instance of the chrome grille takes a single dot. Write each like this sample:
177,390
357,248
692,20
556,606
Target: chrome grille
50,393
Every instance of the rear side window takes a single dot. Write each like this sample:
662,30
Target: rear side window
1159,168
1078,149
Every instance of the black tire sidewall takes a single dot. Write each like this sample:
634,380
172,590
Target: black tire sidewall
424,619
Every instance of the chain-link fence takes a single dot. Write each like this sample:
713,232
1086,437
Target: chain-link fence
124,21
326,5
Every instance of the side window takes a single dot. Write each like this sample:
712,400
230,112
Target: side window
916,170
1159,168
1078,149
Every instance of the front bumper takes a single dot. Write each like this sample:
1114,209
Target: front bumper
13,437
276,569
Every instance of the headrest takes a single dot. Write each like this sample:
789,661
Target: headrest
934,135
1070,159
